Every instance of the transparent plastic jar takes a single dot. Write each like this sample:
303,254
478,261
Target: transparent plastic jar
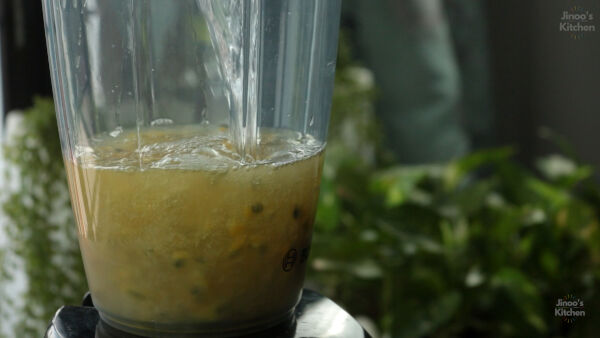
193,134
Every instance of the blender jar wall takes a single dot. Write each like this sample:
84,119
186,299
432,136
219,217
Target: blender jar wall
124,64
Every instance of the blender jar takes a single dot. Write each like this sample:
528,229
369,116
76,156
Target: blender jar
193,134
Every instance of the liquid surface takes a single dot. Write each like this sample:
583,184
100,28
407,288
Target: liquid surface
184,233
193,148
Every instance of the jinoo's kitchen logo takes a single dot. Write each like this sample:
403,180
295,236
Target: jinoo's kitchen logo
576,21
569,308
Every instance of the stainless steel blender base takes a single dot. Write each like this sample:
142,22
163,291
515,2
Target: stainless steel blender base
315,316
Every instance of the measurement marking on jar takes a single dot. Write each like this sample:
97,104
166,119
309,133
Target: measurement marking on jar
289,260
304,254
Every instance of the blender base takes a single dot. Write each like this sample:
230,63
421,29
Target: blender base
233,330
314,316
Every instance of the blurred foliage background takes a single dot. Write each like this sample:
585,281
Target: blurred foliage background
41,228
479,245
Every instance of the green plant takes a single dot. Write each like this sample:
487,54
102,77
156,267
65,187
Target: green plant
5,302
41,228
478,246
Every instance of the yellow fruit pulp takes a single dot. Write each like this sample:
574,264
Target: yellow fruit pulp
175,228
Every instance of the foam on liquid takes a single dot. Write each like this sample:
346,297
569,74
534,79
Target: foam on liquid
193,148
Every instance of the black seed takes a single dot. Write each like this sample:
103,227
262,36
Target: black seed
257,208
136,295
179,263
296,212
235,252
262,248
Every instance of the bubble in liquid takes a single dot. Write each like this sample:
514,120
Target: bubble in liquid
161,122
116,132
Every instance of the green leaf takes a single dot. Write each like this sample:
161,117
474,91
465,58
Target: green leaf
548,194
400,183
457,170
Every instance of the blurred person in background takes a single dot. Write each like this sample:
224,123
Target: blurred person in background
430,61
